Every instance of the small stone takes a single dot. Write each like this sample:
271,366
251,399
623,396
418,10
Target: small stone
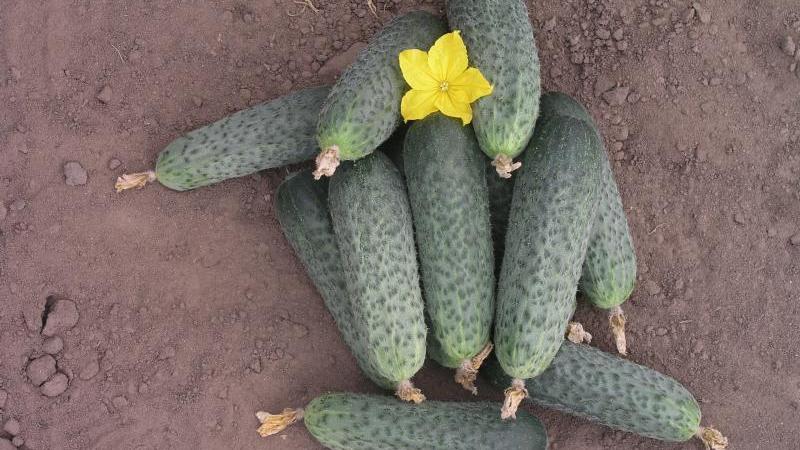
55,386
119,402
248,18
617,146
772,232
52,345
622,45
41,369
620,133
602,84
550,24
555,72
634,97
619,156
739,218
5,444
795,240
619,34
134,56
617,96
114,163
255,365
12,426
17,441
652,287
245,93
788,46
3,398
688,15
63,316
702,13
227,16
661,331
144,388
74,174
89,370
603,33
166,353
707,107
577,58
18,205
21,128
198,102
105,94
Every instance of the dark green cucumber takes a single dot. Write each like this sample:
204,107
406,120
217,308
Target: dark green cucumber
302,210
499,38
446,179
615,392
272,134
363,108
374,231
363,422
552,210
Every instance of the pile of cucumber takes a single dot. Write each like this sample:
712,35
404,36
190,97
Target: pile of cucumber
430,247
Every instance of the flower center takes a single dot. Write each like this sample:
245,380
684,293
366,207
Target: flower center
443,86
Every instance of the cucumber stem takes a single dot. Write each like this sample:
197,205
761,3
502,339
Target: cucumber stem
577,335
712,438
275,423
407,392
514,396
468,371
134,180
505,165
616,318
327,162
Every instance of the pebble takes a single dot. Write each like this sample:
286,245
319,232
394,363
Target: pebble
74,174
12,426
134,56
652,287
3,398
119,402
622,45
255,365
245,93
702,13
603,84
114,163
555,72
55,386
105,94
661,331
788,46
603,33
63,316
52,345
198,102
41,369
619,156
227,16
739,218
795,240
18,205
17,441
550,24
617,146
617,96
5,444
619,34
89,370
620,133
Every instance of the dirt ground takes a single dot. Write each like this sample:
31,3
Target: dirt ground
181,314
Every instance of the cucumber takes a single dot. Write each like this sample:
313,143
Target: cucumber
272,134
373,227
344,421
609,271
446,179
363,108
552,209
500,42
302,210
500,192
617,393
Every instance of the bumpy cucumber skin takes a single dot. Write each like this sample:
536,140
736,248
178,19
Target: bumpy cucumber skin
362,422
613,391
500,193
609,271
272,134
500,42
552,210
302,210
374,231
446,179
363,108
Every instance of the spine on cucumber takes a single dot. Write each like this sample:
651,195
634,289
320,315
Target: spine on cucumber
617,393
374,232
609,271
445,175
269,135
302,210
499,38
344,421
363,108
552,210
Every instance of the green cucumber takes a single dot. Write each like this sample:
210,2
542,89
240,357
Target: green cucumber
302,210
373,226
609,271
617,393
272,134
500,42
552,210
344,421
363,108
446,180
500,192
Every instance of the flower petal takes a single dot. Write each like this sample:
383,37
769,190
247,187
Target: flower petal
472,84
417,104
448,56
415,69
450,106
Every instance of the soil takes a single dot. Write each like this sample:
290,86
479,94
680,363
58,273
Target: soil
179,315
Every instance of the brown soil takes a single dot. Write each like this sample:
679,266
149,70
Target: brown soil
193,311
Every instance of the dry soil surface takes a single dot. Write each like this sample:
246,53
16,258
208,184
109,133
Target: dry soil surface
162,320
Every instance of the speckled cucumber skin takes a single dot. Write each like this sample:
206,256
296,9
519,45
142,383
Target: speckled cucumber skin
552,210
363,108
500,42
609,271
612,391
374,231
362,422
446,179
272,134
302,210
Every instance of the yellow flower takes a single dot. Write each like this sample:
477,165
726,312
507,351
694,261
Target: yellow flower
441,80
